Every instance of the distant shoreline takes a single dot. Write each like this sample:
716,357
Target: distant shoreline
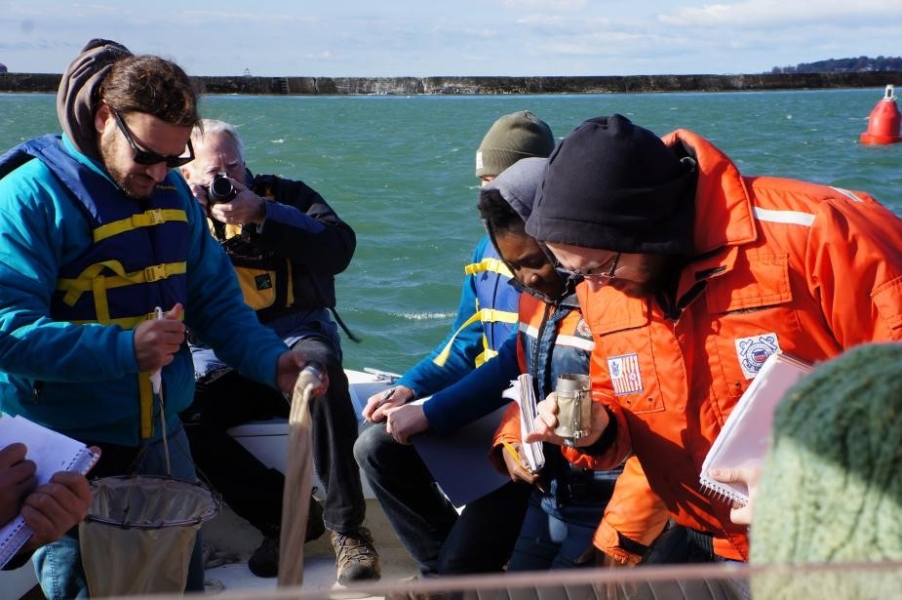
409,86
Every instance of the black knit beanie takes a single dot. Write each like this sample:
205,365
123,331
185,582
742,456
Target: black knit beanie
615,186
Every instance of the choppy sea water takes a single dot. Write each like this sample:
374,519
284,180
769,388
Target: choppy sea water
400,171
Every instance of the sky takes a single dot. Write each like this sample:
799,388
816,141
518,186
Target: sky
421,38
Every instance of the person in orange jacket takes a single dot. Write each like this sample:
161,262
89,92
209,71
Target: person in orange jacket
552,339
694,275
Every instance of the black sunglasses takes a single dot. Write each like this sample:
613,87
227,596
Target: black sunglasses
143,157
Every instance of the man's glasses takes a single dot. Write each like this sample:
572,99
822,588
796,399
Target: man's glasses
597,275
143,157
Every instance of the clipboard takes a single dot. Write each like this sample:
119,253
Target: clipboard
460,462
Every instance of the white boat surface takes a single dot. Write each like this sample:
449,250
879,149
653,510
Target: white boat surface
229,540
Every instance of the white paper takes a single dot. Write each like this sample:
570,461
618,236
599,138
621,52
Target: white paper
743,440
51,452
522,392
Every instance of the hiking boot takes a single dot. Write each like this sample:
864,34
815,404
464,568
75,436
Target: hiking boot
264,562
355,557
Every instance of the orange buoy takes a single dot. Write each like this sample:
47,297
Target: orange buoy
884,121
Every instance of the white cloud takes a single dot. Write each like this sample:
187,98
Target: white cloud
545,4
757,13
346,38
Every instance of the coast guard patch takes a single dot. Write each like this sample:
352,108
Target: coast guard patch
753,351
625,375
582,329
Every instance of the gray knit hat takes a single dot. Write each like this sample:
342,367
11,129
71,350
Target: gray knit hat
518,135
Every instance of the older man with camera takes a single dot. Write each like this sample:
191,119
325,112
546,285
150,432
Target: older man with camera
286,245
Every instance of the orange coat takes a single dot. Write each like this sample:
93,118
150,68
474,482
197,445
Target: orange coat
806,268
633,510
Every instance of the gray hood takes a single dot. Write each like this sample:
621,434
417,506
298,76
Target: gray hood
518,184
79,92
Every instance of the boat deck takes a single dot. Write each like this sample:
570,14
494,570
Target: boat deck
231,539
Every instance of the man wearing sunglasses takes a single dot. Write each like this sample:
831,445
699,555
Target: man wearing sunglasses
106,260
694,274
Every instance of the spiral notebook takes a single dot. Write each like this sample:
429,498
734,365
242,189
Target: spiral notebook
51,452
743,440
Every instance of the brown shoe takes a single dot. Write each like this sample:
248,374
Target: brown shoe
355,557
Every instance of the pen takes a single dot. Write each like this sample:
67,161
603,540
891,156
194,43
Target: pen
513,452
386,397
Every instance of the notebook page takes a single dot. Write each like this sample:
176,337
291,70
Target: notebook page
746,432
51,452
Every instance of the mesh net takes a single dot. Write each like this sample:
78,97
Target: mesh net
139,533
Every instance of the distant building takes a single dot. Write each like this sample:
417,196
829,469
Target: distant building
2,68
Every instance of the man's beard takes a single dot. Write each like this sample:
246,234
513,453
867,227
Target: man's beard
656,273
120,178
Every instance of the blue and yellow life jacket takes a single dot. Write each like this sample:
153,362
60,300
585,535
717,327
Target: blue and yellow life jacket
137,261
496,304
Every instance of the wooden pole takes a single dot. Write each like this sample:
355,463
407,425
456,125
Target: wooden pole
298,480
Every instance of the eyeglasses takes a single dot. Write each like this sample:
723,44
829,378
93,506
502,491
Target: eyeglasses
143,157
595,275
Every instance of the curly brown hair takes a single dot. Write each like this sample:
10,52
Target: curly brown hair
153,85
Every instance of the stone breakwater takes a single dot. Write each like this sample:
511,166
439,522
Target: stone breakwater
409,86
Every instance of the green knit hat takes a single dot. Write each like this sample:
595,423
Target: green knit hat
512,137
831,484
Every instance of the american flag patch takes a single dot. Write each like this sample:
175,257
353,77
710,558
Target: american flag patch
625,375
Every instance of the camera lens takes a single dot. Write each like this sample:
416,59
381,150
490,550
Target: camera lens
221,189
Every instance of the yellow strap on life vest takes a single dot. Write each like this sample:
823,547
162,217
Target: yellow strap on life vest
90,280
494,315
486,315
148,218
488,264
486,354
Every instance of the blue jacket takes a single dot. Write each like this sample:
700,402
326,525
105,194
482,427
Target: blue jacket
538,349
486,317
82,378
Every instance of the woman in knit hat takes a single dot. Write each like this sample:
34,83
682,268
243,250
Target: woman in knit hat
481,538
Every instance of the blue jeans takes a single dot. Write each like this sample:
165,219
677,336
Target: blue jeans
557,532
58,565
480,540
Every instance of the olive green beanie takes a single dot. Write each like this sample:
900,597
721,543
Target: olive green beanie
831,484
518,135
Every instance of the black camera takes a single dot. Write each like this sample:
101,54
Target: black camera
221,189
